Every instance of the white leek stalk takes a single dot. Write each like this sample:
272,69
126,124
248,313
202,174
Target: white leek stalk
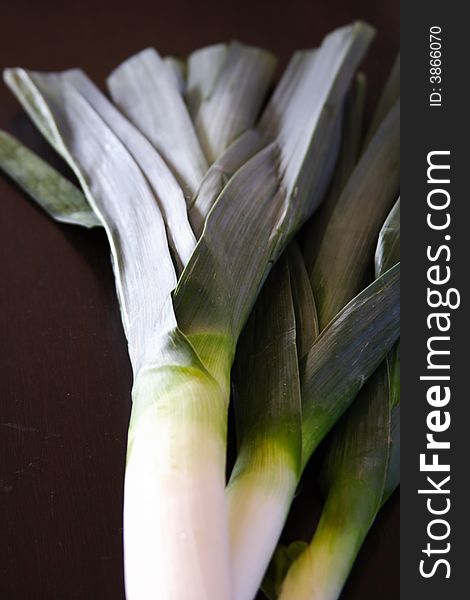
175,521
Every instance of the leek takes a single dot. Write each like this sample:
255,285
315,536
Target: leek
356,468
182,332
326,390
191,160
361,468
165,366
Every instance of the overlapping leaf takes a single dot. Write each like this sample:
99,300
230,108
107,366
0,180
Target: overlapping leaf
266,200
351,141
342,263
144,89
164,186
114,186
313,80
229,102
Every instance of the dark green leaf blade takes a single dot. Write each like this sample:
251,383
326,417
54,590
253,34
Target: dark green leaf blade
306,319
219,173
390,94
346,354
350,236
266,374
349,153
55,194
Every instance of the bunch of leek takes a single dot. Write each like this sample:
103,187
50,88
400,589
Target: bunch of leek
199,195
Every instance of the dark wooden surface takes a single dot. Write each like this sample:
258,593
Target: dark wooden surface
64,372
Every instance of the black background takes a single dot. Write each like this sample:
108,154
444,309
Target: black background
64,372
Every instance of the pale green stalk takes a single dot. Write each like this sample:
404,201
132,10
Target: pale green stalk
357,466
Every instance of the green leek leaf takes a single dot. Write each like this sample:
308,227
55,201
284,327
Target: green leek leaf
390,94
296,109
164,186
55,194
387,252
282,559
113,185
326,392
349,153
219,173
392,480
230,105
143,87
306,319
349,239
